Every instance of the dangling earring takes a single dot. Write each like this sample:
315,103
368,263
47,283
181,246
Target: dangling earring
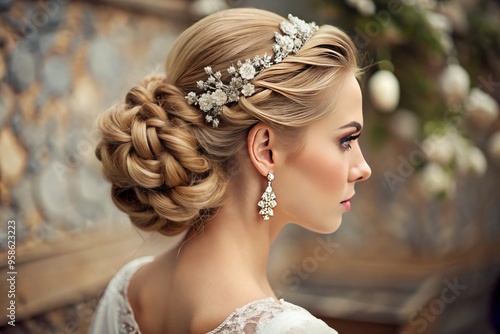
267,202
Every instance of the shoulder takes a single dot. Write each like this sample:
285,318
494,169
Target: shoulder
270,316
114,310
119,283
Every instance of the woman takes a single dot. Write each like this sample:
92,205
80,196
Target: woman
253,126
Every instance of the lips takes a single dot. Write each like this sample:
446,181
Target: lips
347,203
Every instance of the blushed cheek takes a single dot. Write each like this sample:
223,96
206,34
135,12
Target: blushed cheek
330,179
324,172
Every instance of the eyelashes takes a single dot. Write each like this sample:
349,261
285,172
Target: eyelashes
345,143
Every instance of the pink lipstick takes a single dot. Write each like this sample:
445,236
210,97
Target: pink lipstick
346,204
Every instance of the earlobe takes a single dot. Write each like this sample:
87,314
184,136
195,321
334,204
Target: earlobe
260,141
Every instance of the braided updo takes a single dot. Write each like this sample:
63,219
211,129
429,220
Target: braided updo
169,170
159,174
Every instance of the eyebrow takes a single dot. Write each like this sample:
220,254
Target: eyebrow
353,125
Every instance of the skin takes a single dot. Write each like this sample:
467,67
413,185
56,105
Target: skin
193,288
327,168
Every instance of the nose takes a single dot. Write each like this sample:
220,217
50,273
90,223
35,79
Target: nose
360,171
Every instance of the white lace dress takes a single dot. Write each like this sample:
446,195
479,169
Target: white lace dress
264,316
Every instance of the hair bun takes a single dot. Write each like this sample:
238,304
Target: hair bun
152,158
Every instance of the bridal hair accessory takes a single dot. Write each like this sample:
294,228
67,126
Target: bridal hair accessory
217,93
268,199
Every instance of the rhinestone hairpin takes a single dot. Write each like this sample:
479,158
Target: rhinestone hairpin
295,32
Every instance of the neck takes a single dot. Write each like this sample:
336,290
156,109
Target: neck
236,239
233,247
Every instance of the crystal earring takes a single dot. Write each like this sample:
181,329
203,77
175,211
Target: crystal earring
267,201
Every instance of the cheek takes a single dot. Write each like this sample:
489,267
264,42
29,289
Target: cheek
325,168
319,173
312,187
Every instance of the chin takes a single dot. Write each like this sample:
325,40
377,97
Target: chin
332,228
324,226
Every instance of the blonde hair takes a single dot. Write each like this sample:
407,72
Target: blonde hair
168,168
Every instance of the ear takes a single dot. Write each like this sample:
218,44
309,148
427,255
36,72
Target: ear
260,143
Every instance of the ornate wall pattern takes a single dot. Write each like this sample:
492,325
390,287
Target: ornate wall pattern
61,65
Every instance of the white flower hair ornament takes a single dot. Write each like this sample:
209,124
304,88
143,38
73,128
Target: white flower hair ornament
295,32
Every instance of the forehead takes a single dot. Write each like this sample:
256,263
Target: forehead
340,104
343,102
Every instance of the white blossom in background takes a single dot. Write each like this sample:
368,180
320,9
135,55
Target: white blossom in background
405,124
438,21
470,159
364,7
383,88
442,28
494,146
477,161
482,108
451,150
202,8
461,148
434,180
455,82
422,4
440,148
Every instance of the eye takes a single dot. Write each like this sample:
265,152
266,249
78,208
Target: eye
345,143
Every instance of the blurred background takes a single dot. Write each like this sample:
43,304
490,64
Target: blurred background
419,252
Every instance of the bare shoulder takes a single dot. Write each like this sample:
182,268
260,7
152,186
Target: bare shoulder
168,297
150,296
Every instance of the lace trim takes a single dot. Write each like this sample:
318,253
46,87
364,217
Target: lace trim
254,315
241,310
